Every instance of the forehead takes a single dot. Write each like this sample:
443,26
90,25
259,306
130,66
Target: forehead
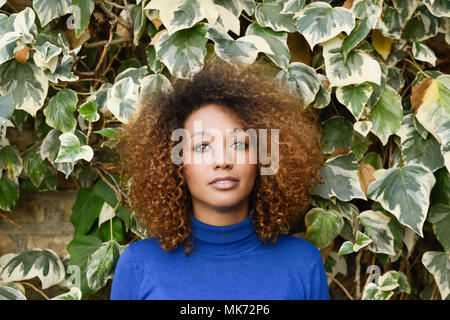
213,116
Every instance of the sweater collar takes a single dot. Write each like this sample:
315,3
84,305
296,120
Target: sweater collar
224,240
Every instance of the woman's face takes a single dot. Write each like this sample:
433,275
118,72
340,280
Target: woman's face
216,160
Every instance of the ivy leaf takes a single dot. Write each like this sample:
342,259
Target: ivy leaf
439,8
82,11
268,14
9,194
71,150
439,216
37,262
376,227
48,10
11,161
422,52
319,22
337,133
438,264
60,109
355,97
89,111
73,294
7,293
34,168
404,192
101,264
322,226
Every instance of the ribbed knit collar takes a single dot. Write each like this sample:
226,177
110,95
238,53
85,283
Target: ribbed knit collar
224,240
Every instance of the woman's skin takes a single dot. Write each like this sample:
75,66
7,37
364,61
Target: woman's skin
210,205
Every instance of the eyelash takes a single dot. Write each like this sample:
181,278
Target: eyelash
203,143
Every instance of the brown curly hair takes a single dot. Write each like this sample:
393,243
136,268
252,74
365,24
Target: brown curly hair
158,192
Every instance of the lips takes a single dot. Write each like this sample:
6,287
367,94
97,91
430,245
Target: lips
230,178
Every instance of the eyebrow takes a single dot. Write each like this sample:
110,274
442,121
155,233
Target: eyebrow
207,131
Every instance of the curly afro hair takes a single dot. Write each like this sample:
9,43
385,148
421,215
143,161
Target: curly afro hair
158,192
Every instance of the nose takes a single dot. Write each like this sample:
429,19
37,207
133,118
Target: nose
220,157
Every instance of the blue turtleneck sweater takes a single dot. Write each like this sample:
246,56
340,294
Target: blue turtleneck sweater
226,263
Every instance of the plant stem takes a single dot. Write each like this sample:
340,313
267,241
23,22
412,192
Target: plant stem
247,18
340,285
35,289
357,277
20,228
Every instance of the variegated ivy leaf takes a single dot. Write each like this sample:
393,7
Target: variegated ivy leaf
376,227
135,74
359,67
355,97
292,6
373,292
122,98
242,51
439,8
423,53
431,104
89,111
11,161
46,56
405,9
49,149
416,149
439,216
107,213
361,241
7,106
432,25
438,264
184,51
268,14
390,23
367,9
394,78
227,20
137,15
24,24
9,193
26,82
236,6
341,180
100,96
277,42
34,168
337,133
387,115
37,262
71,150
363,127
359,33
301,80
101,264
8,293
319,22
347,210
63,71
323,96
335,264
155,83
322,226
60,109
184,14
9,41
404,192
82,11
73,294
47,10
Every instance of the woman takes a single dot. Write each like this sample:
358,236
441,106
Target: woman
218,227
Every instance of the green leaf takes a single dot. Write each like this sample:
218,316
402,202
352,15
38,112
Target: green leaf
71,150
48,10
155,83
11,161
46,56
80,249
359,67
268,14
362,127
301,80
340,175
368,10
85,211
101,264
34,168
439,216
358,34
9,194
122,98
322,226
337,133
346,248
277,42
439,8
89,111
37,262
323,96
26,82
404,192
110,133
82,11
438,264
416,149
376,227
355,97
361,241
387,114
60,109
423,53
319,22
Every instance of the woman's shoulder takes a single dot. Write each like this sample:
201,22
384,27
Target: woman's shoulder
299,247
142,249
